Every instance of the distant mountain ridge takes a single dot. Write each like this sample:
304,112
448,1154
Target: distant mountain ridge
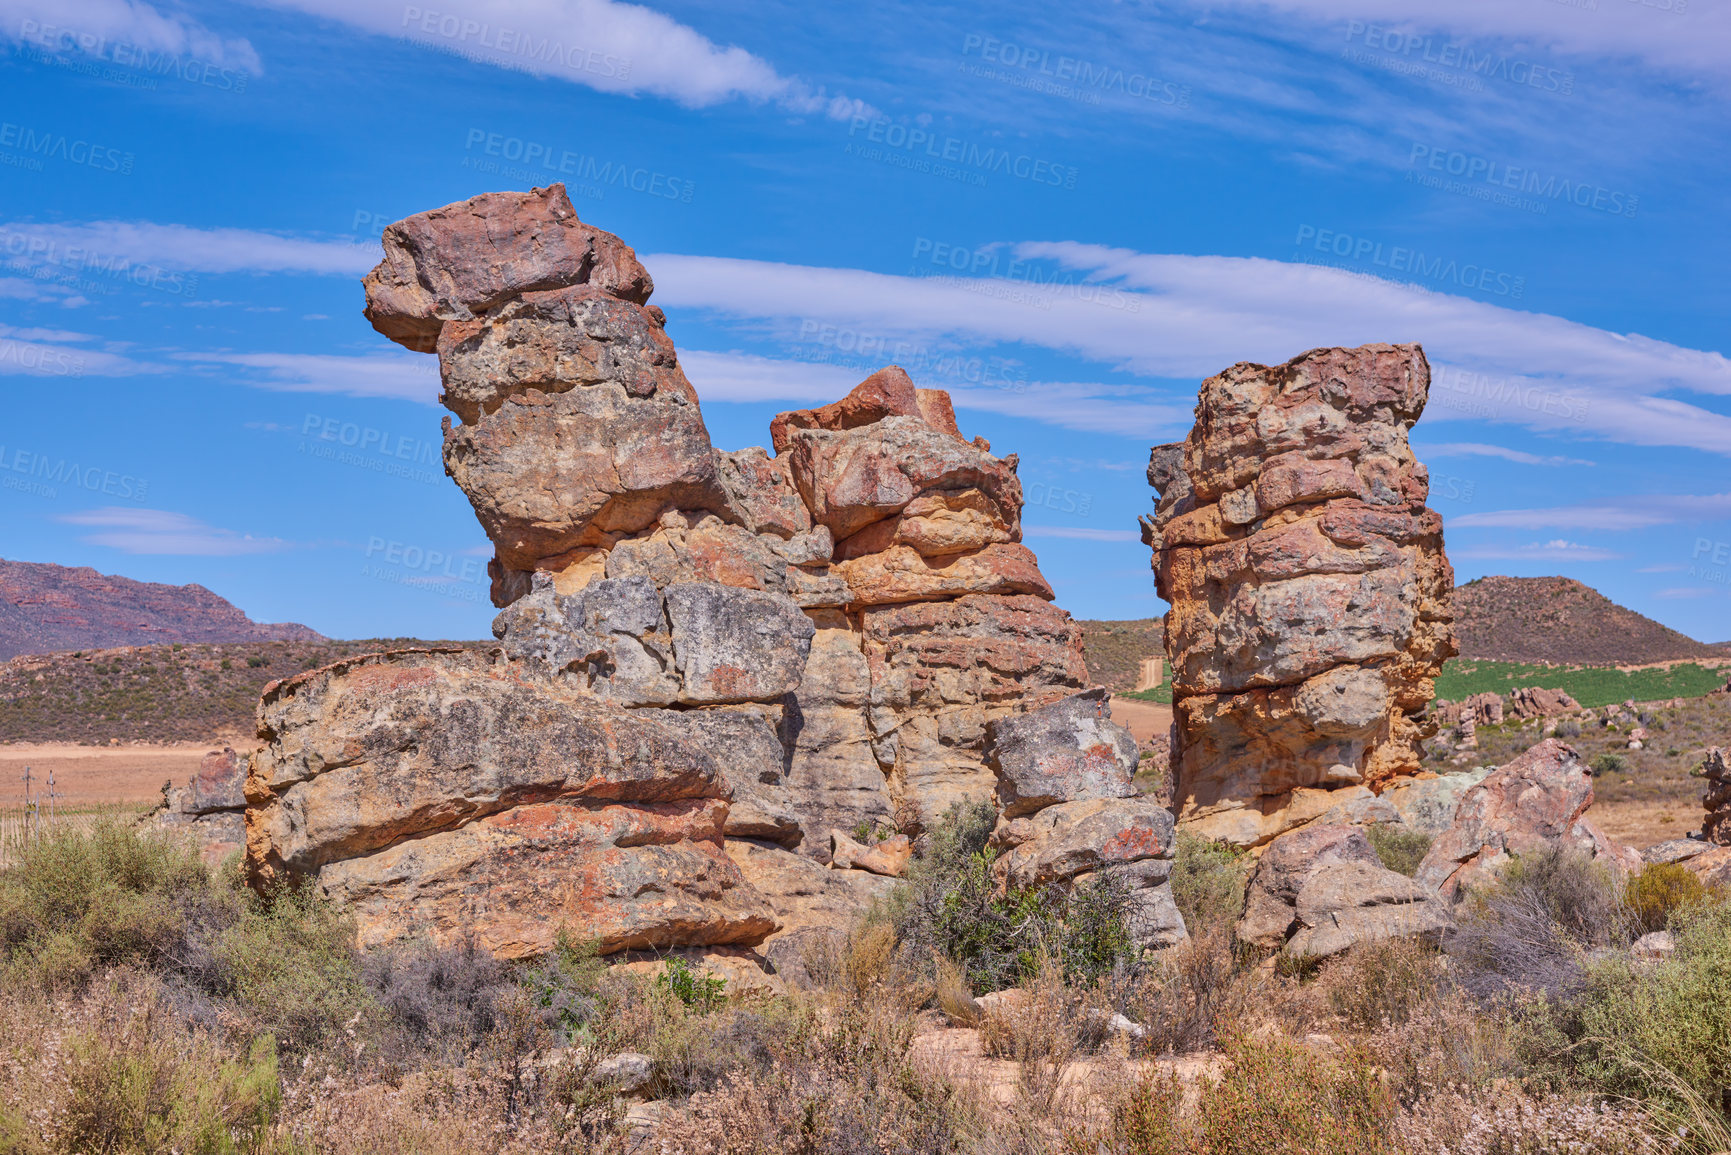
1560,620
47,608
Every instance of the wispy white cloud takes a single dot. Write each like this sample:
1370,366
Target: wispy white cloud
96,27
402,377
1556,550
1190,316
181,247
161,531
1088,407
1475,449
1621,514
1666,34
1680,592
1080,534
1662,569
603,44
37,352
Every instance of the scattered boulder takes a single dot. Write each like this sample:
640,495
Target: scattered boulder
888,858
1063,752
1675,850
629,1072
1538,800
1308,585
1539,702
1320,889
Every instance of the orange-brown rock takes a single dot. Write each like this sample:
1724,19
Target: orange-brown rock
1308,585
453,263
448,792
696,646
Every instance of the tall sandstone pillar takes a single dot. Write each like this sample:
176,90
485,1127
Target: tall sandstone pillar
1309,590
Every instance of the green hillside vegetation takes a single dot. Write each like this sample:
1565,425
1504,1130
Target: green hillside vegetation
1591,686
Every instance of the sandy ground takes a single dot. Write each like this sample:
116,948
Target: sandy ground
1644,824
1144,719
89,775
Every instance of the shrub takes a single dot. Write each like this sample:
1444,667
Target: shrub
698,991
1280,1098
1376,985
1659,889
1189,995
1568,728
1528,931
1208,881
1610,764
1666,1030
1507,1119
1399,849
1145,1120
441,1001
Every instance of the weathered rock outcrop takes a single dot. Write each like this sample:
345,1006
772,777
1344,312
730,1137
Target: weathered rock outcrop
211,806
1716,799
1321,889
1537,801
1308,586
730,688
1068,814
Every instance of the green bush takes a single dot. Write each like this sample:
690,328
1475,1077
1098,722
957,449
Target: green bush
698,991
1657,1031
951,905
1658,890
1610,764
1399,849
1208,881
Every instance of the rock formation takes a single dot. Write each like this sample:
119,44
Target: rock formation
1319,890
211,806
727,683
1716,799
1539,800
1538,702
1308,585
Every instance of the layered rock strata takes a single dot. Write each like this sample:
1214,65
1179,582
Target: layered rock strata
730,686
1308,585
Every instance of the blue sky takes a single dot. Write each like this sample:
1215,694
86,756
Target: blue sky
1068,215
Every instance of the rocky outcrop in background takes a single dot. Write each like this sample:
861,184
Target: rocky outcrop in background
728,684
1308,585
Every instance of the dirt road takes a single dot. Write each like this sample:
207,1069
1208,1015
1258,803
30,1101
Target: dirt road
1143,719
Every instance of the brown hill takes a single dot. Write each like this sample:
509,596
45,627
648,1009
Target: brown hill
50,608
1113,650
1559,620
173,693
